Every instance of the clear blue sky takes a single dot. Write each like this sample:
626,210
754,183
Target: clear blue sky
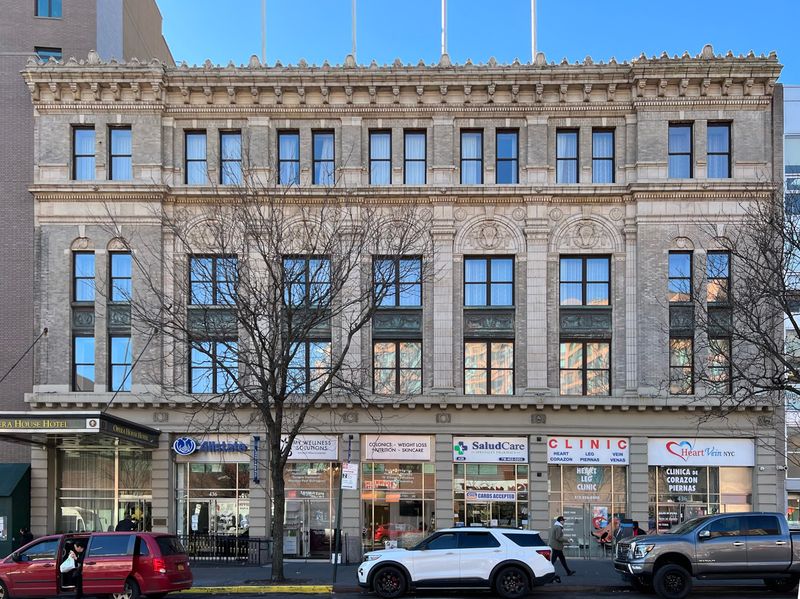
316,30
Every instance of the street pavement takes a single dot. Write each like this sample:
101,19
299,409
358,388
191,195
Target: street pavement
731,593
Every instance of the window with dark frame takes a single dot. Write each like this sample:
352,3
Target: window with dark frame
680,146
322,143
288,158
196,162
679,286
230,157
719,150
507,157
308,366
489,281
120,154
397,367
414,157
567,156
306,280
489,367
719,366
120,362
50,9
83,283
44,53
718,275
380,157
398,281
213,365
83,373
212,280
681,366
471,157
83,153
585,367
602,156
121,267
585,280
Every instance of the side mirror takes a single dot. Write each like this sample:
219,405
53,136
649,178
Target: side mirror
704,534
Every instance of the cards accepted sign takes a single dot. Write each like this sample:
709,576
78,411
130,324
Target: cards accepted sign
490,450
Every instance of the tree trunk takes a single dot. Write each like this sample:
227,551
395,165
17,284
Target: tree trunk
278,510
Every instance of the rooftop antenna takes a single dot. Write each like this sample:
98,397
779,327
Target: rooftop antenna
353,52
533,31
444,27
264,32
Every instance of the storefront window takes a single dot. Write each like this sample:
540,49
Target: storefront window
213,498
491,494
311,494
793,510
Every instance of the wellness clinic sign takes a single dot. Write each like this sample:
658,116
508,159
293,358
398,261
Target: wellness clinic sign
700,452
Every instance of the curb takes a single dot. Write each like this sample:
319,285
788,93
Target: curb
310,589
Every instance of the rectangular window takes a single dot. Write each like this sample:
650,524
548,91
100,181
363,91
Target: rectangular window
681,366
679,288
566,156
308,366
230,157
471,157
414,161
489,368
719,366
398,282
585,368
83,287
680,151
214,366
602,156
585,280
82,363
83,153
397,367
288,158
120,363
322,148
507,166
489,281
718,272
48,8
380,158
120,154
121,273
196,164
306,280
719,150
212,280
45,54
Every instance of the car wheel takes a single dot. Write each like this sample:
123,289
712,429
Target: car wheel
672,582
781,585
4,591
389,582
130,591
512,583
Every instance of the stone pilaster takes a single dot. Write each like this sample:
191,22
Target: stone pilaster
443,451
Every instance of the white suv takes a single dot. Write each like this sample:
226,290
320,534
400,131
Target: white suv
507,560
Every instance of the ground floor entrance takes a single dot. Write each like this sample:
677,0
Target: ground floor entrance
309,528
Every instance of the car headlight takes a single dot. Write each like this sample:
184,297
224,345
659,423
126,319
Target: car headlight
639,551
371,557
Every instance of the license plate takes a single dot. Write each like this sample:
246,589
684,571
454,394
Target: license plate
180,567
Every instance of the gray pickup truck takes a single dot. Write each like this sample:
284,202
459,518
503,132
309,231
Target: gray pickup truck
724,546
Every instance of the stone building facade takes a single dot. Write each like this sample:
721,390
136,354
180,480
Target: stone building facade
570,206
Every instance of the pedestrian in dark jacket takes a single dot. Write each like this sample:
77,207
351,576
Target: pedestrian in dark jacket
25,536
126,524
557,542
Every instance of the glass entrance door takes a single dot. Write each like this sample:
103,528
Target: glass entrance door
308,528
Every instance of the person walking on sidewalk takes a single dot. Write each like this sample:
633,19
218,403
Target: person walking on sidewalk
557,542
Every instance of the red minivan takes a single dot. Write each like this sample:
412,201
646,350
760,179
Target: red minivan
123,565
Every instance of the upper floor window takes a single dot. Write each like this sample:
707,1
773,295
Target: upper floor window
489,368
602,156
507,168
489,281
213,366
719,150
230,157
120,154
48,8
471,157
322,146
414,162
679,288
44,53
120,363
212,280
681,366
566,156
307,280
83,153
585,280
196,163
288,158
719,365
121,271
718,272
83,287
308,366
380,158
680,151
397,367
585,368
398,282
83,363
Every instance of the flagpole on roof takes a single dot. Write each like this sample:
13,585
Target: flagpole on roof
354,29
444,26
264,31
533,31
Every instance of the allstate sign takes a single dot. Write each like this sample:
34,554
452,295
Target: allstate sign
184,446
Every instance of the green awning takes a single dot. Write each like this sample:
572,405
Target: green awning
10,477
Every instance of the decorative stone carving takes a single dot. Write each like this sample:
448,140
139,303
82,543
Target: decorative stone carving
562,92
278,91
395,94
490,91
325,94
425,214
212,322
420,92
514,94
556,214
443,93
683,243
726,85
587,233
117,244
231,94
518,214
581,321
611,92
83,319
681,318
395,323
119,316
587,92
662,88
748,87
467,94
483,323
348,93
615,214
641,86
442,418
208,92
460,214
539,92
373,94
684,85
704,87
80,244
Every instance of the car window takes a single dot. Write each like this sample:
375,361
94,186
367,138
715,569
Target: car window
111,545
41,551
725,527
142,550
446,540
170,546
477,540
525,540
760,526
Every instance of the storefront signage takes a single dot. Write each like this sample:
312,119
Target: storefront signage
587,450
389,448
350,476
254,473
681,451
682,480
313,448
490,450
87,422
185,446
491,496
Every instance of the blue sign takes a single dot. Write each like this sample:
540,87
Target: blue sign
184,446
254,466
187,446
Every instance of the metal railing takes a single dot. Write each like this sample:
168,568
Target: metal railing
226,549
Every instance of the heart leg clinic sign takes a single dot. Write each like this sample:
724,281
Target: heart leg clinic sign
681,451
606,451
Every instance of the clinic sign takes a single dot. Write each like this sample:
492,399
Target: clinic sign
402,448
490,450
599,451
682,451
313,448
